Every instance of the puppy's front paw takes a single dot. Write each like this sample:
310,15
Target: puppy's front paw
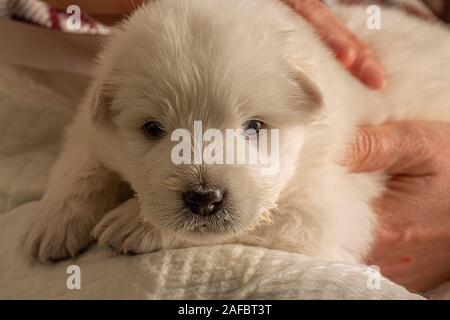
58,235
124,231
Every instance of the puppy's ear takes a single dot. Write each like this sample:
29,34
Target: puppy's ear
307,103
311,98
101,104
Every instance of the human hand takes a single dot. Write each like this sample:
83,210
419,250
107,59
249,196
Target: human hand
412,243
349,50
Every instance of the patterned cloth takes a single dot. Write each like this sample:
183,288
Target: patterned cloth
415,7
441,8
427,9
40,13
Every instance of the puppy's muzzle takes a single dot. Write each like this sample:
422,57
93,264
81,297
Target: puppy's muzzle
204,201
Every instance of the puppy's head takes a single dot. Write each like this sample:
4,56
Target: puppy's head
177,83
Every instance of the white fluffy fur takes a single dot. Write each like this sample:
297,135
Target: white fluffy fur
224,62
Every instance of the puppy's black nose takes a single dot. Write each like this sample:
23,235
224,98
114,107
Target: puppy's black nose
204,201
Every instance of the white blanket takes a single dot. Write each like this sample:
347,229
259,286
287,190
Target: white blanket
215,272
34,107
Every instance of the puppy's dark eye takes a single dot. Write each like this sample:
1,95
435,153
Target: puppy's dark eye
153,129
252,127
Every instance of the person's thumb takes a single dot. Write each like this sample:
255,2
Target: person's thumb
394,148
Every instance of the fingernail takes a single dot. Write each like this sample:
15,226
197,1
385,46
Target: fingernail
372,75
343,51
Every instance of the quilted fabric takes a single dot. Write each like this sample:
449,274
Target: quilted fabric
213,272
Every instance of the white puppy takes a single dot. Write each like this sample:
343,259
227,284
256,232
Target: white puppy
233,64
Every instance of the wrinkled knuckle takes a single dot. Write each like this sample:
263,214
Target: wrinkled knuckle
364,146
